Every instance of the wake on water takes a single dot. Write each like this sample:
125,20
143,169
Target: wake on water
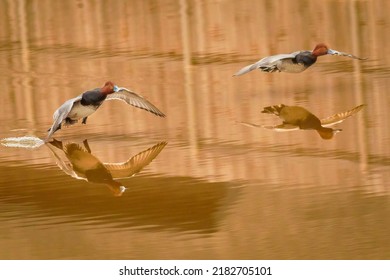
26,142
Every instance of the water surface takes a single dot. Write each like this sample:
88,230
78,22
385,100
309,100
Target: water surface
215,189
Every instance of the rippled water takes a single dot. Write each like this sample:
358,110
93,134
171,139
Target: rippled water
197,184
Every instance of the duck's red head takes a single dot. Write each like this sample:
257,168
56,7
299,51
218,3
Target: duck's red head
327,133
108,87
320,49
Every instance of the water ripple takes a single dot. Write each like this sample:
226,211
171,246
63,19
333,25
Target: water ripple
26,142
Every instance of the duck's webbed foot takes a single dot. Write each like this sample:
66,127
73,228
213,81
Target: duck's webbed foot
269,69
69,121
84,120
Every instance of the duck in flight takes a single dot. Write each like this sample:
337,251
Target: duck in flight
296,117
82,106
295,62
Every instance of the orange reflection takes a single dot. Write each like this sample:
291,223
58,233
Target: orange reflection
296,117
81,164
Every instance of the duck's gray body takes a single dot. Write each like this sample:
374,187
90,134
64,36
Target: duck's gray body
295,62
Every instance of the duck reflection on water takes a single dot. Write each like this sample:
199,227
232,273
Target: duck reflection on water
83,165
296,117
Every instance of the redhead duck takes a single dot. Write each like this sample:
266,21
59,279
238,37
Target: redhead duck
88,102
295,62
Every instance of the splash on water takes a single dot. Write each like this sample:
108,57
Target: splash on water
26,142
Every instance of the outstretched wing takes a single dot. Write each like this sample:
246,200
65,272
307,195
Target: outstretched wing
268,62
66,167
334,52
338,118
60,115
135,100
280,127
136,163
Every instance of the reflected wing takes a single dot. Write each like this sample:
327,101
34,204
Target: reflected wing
136,163
338,118
67,168
251,124
283,127
280,127
61,113
334,52
268,62
135,100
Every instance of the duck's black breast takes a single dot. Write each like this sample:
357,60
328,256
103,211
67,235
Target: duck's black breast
98,175
92,97
310,122
306,58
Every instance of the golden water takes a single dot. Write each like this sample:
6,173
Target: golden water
217,189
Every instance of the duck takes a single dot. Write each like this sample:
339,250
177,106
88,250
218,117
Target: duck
297,117
81,164
82,106
295,62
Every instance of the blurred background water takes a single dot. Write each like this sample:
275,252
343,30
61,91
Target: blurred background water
215,189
